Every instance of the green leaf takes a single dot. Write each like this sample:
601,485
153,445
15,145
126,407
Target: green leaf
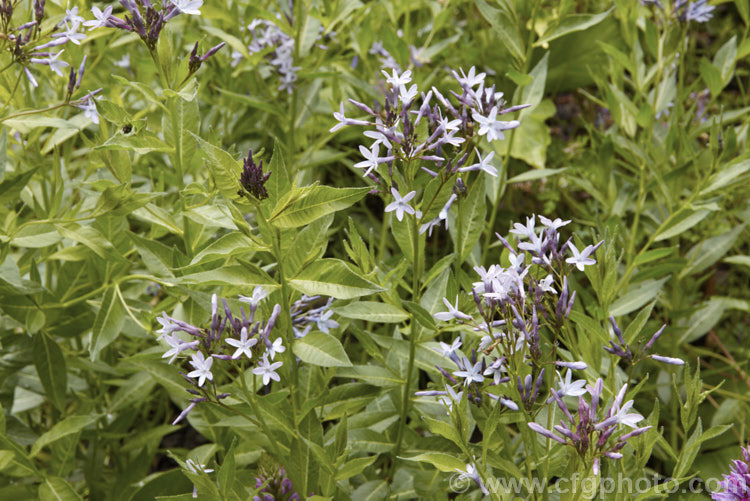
533,174
471,219
253,102
241,275
108,322
637,296
728,175
372,312
113,112
354,467
371,374
232,41
703,320
182,120
441,461
571,23
57,489
280,182
50,365
319,348
228,469
712,76
706,253
142,142
739,259
682,224
505,27
334,278
231,244
224,169
91,238
654,255
317,202
725,58
68,426
421,315
369,441
3,152
11,187
134,391
635,327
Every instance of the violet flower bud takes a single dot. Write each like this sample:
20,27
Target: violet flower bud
184,413
653,339
212,51
71,81
572,365
667,360
39,10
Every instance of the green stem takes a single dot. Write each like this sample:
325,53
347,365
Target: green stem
413,338
251,396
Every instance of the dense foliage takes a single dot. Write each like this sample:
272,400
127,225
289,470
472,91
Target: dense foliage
374,250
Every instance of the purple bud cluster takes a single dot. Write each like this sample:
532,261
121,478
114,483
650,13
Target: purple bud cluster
274,486
736,485
244,334
590,429
148,22
253,179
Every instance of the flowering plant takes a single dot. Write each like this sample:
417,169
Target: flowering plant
373,250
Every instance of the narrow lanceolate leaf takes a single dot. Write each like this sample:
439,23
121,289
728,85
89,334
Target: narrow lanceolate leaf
706,253
334,278
637,296
471,219
108,322
354,467
224,168
57,489
572,23
50,365
141,143
372,312
68,426
319,348
683,224
440,460
242,275
318,202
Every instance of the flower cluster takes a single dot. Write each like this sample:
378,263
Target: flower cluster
699,11
588,432
417,129
267,36
736,485
512,304
227,338
304,314
145,20
253,179
274,485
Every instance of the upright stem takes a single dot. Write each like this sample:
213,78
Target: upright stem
413,338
